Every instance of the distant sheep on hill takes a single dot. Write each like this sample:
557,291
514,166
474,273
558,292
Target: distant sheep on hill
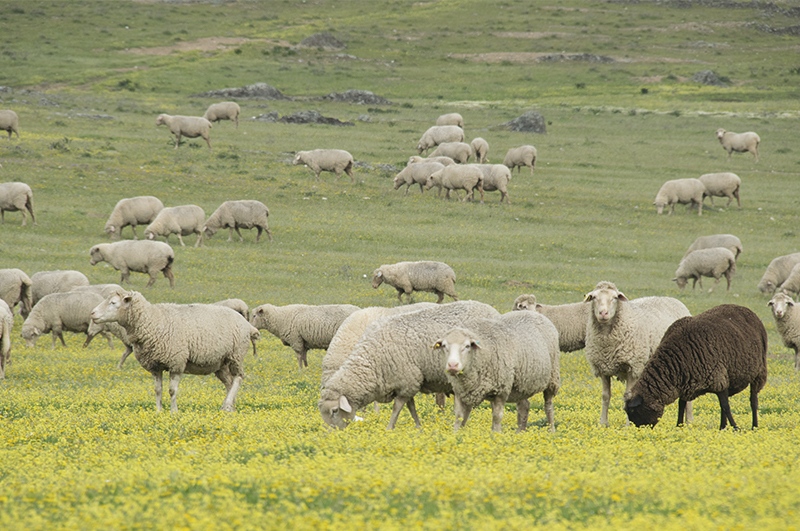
188,126
227,110
739,142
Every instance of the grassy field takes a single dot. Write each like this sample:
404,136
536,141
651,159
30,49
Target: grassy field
82,446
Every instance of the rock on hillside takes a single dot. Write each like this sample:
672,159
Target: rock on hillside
256,91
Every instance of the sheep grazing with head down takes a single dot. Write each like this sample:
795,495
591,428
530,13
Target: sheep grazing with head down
59,281
331,160
714,262
792,282
15,288
237,305
132,211
787,321
724,184
444,161
480,149
143,256
416,174
188,126
16,197
424,275
458,151
226,110
6,324
520,156
722,351
739,142
9,121
569,319
235,215
496,178
58,313
438,134
452,118
684,191
729,241
180,220
777,272
467,177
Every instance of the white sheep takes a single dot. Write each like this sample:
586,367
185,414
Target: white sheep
508,359
416,174
237,305
496,178
188,126
437,134
452,118
9,121
520,156
777,272
104,290
302,327
714,262
59,312
181,220
424,275
729,241
723,184
458,151
739,142
132,211
787,322
444,161
393,361
16,197
46,282
226,110
15,288
569,319
792,282
182,339
6,324
235,215
622,334
465,177
142,256
480,149
331,160
683,191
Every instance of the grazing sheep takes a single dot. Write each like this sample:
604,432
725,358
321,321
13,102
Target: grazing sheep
58,281
302,326
235,215
496,178
188,126
729,241
133,211
458,151
458,177
777,272
569,319
713,262
444,161
16,197
438,134
393,361
521,156
787,322
237,305
508,359
182,339
227,110
15,288
332,160
6,324
9,121
142,256
683,191
739,142
425,275
722,351
111,328
722,185
58,312
480,149
622,334
181,220
452,118
792,282
416,174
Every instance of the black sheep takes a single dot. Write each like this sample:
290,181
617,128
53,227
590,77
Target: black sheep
720,351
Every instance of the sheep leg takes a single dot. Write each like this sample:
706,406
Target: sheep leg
128,350
168,274
725,411
441,296
199,242
174,380
400,292
241,239
125,275
412,408
157,380
302,360
754,405
681,411
462,412
606,400
177,140
208,141
230,398
180,239
498,408
796,360
548,408
523,409
440,399
133,228
152,280
689,412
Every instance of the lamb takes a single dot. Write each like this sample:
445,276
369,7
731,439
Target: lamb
181,220
569,319
132,211
683,191
458,177
416,174
393,361
729,241
408,277
6,324
302,326
182,339
452,118
46,282
724,184
142,256
58,312
480,149
713,262
720,351
520,156
332,160
444,161
437,134
226,110
16,197
787,322
739,142
237,305
235,215
458,151
508,359
496,178
188,126
9,121
622,334
15,288
777,272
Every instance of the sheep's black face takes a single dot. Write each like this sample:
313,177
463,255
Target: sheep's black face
642,414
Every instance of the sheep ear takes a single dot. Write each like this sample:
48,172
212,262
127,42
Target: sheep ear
127,299
771,303
589,296
538,306
635,401
475,344
674,280
621,296
379,274
344,405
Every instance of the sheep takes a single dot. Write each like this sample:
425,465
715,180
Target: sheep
739,142
724,184
235,215
569,319
458,177
683,191
331,160
729,241
15,288
58,312
720,351
452,118
188,126
182,339
132,211
226,110
425,275
508,359
181,220
787,322
458,151
46,282
444,161
16,197
302,327
792,282
237,305
416,174
142,256
106,329
9,121
393,361
480,149
496,178
713,262
6,324
777,272
104,290
520,156
622,334
437,134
